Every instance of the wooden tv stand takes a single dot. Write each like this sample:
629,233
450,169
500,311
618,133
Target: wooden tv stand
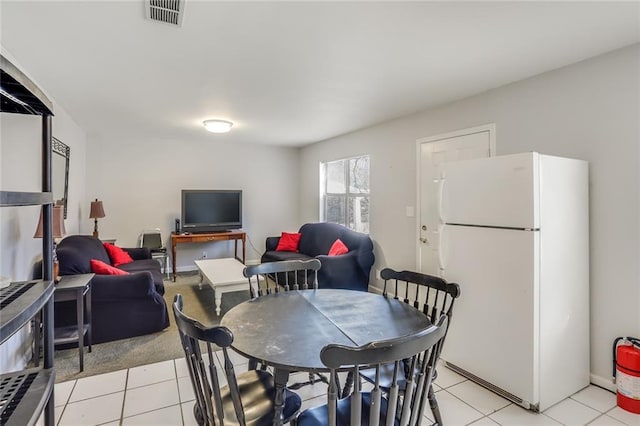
206,238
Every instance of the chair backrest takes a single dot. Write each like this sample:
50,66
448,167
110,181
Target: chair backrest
151,238
431,295
272,277
421,349
204,376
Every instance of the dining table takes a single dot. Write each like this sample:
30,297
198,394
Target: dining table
287,330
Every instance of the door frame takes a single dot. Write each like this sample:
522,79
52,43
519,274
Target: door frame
490,127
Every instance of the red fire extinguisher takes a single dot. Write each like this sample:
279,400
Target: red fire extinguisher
626,372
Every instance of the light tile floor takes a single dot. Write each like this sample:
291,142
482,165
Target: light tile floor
160,394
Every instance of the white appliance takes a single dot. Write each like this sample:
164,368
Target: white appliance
515,237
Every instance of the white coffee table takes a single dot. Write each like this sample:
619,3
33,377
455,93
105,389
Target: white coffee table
223,275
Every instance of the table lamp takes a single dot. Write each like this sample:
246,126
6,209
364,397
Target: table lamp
59,231
97,211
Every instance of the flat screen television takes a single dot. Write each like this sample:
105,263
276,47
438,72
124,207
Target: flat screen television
211,210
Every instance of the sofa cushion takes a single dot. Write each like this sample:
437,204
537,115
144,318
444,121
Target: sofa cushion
75,252
277,256
102,268
117,255
147,265
317,238
338,248
289,241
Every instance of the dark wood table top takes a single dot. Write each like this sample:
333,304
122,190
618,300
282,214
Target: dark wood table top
287,330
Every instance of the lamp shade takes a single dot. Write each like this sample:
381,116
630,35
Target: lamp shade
97,210
59,230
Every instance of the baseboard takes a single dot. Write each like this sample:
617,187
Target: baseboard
605,383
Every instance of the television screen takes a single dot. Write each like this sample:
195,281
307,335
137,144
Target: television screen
211,210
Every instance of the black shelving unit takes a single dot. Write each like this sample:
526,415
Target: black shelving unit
26,394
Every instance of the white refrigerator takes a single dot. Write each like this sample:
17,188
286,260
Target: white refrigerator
514,235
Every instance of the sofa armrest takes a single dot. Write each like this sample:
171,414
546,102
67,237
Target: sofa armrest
138,285
343,271
272,243
138,253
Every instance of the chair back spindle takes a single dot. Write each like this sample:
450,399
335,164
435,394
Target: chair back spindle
273,277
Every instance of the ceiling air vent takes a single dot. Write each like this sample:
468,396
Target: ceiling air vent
167,11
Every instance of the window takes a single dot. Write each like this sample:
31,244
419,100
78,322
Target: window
344,192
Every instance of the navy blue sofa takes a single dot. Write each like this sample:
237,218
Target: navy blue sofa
122,305
347,271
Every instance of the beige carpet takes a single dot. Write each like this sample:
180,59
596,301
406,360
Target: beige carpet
111,356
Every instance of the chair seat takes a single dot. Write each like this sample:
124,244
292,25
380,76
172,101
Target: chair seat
257,390
319,416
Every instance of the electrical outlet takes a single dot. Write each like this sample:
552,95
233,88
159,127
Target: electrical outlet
204,255
378,274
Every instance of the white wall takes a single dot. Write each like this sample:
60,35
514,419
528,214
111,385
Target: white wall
139,182
589,110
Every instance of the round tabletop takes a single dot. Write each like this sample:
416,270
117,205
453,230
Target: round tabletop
287,330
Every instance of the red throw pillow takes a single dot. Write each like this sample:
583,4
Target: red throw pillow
338,248
117,255
289,241
99,267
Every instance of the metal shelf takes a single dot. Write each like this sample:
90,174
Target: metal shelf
19,94
19,302
16,198
23,395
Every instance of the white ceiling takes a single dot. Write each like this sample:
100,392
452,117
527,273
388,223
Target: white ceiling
291,73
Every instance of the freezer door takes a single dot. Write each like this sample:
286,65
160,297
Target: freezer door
498,191
494,327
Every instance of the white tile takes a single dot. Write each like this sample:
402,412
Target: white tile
596,398
515,415
307,391
115,423
151,373
58,413
605,420
170,416
94,411
61,392
626,417
181,367
485,421
151,397
187,414
447,377
478,397
102,384
454,411
571,412
185,388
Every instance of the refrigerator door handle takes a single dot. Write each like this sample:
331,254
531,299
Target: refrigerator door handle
441,199
441,238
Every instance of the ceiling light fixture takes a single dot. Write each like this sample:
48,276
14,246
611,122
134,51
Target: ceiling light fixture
217,126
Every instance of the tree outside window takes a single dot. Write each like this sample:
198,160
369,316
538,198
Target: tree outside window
344,192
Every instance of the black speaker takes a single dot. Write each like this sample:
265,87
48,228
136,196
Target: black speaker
177,226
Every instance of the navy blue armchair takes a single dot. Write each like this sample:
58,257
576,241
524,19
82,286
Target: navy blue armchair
122,305
347,271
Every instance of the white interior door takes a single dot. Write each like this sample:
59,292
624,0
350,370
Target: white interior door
433,152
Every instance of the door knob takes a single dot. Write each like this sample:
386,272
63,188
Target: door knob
424,227
423,240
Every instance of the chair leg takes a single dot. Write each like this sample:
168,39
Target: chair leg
347,385
433,403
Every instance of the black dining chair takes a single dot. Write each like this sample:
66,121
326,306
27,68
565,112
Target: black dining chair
273,277
246,399
420,349
431,295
